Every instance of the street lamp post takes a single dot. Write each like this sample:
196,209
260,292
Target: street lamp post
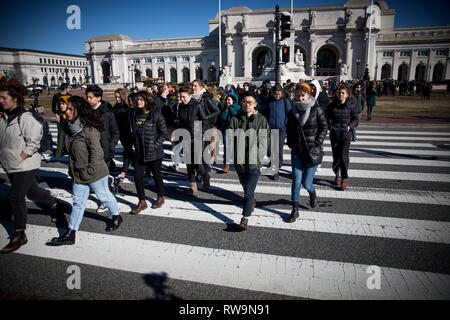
358,62
48,87
86,76
67,73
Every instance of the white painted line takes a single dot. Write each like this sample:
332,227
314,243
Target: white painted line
284,189
347,224
326,172
412,133
309,278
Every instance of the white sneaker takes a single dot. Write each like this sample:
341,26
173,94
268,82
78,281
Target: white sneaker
102,208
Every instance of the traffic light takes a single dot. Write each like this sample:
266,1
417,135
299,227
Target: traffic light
285,54
285,26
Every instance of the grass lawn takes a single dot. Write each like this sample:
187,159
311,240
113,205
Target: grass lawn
388,106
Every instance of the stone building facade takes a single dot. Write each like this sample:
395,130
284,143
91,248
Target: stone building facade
326,41
42,67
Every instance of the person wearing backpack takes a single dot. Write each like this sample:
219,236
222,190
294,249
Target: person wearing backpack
276,109
20,142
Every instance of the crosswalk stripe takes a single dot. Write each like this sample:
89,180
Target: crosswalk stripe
348,224
300,277
327,172
284,189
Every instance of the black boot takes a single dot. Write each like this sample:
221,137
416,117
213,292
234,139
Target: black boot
313,199
294,213
67,238
115,223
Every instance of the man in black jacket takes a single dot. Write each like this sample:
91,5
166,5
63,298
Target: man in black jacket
110,136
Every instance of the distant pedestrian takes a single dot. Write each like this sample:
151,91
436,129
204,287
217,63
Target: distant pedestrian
276,110
149,133
110,135
190,112
359,103
20,140
87,167
121,111
371,99
231,109
342,118
60,119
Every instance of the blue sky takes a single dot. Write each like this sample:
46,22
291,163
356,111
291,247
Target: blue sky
41,25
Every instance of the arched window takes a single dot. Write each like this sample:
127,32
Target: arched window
262,58
386,72
161,73
327,62
403,72
106,68
199,73
149,73
438,72
173,75
212,74
420,72
186,77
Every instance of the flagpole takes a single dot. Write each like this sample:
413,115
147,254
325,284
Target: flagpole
366,75
220,42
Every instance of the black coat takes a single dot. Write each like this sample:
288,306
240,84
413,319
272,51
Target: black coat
164,105
211,110
188,114
149,145
315,130
121,114
340,116
110,136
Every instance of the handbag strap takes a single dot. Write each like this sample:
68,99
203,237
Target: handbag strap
304,139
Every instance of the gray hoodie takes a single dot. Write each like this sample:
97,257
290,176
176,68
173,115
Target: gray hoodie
12,143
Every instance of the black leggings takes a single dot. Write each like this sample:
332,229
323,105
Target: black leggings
341,157
25,184
139,171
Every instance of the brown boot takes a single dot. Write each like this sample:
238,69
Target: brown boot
18,239
142,205
192,189
226,168
158,204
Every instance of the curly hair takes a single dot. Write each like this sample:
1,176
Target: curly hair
88,116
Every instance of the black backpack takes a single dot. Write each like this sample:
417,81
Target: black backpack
47,139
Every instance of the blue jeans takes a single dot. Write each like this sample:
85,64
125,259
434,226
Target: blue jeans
81,195
248,181
302,174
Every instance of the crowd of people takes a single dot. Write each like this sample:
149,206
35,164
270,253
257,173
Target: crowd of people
89,129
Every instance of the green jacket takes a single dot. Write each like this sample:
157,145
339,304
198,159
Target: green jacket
248,156
86,163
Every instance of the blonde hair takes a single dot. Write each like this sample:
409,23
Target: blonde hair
303,87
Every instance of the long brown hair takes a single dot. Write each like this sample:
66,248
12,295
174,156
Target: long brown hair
16,90
150,103
123,95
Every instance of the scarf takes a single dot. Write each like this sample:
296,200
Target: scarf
76,126
197,96
304,109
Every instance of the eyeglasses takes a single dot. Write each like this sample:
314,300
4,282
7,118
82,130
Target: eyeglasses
247,102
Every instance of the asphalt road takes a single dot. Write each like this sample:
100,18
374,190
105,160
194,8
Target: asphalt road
393,216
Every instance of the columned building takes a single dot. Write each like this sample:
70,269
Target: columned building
43,67
326,41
